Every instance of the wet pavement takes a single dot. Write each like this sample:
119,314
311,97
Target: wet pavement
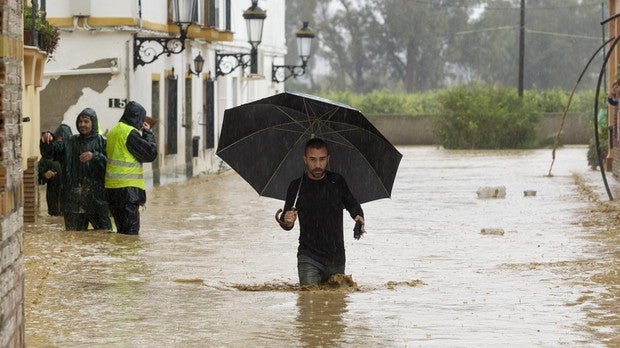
212,268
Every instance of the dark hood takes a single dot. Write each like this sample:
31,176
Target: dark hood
93,117
134,115
63,131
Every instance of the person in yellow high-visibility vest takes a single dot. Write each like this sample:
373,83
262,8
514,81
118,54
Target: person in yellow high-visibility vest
130,143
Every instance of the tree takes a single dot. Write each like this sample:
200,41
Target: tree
416,39
419,45
374,44
346,43
296,13
560,36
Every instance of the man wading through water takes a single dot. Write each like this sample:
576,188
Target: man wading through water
130,143
83,160
318,198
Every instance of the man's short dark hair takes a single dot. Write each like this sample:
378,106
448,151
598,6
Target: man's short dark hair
316,143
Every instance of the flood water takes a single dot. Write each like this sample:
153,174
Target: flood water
212,268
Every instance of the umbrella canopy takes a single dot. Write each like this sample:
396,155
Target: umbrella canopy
264,142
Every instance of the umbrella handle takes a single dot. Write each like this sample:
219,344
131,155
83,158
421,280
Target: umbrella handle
279,216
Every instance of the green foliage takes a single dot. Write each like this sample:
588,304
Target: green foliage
477,115
388,103
592,154
49,35
556,100
400,103
603,137
485,117
550,100
584,102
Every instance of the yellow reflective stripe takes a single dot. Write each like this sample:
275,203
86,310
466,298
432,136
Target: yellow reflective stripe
123,176
124,164
123,170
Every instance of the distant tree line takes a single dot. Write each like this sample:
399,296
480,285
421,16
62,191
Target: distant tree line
422,45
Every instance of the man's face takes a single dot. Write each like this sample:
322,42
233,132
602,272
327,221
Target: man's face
85,125
316,161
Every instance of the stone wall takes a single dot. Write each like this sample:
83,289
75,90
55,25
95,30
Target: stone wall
416,130
11,198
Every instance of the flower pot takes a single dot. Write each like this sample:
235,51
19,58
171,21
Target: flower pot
31,37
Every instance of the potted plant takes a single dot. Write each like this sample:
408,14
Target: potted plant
49,36
36,26
29,27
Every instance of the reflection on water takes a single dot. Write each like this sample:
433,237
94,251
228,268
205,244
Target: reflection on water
211,267
320,318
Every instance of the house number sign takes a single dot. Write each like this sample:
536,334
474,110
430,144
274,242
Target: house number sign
117,103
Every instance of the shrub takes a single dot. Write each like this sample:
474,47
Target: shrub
475,116
552,100
485,117
386,102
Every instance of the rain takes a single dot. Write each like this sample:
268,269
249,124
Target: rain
211,267
501,233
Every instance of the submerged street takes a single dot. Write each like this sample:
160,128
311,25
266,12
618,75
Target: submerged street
212,268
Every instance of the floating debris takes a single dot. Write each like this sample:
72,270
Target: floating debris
412,283
191,281
492,231
491,192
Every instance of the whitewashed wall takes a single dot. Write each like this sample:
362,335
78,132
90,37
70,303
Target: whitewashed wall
84,44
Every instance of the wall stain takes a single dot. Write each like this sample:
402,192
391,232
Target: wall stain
63,92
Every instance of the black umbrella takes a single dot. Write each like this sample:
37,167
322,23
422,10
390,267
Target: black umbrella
264,142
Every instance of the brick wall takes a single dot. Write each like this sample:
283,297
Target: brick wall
11,198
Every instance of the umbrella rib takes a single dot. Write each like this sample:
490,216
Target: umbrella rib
279,127
282,162
348,144
276,127
351,128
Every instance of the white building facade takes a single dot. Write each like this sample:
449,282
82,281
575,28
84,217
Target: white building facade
96,66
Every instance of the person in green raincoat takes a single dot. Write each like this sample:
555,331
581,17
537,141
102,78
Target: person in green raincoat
83,161
50,174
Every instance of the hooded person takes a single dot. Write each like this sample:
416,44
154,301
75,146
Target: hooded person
82,159
50,174
130,143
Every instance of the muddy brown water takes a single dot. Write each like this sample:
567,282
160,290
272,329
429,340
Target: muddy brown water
211,267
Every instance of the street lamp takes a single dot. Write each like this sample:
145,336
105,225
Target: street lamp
225,63
280,73
199,62
147,49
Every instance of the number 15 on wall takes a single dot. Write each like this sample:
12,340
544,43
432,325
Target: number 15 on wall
117,103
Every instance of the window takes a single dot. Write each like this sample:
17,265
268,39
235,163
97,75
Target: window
172,116
209,111
227,11
214,13
199,14
155,114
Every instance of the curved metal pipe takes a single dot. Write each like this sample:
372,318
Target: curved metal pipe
596,98
610,18
570,99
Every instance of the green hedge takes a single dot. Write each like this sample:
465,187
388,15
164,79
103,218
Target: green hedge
485,117
389,103
476,115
